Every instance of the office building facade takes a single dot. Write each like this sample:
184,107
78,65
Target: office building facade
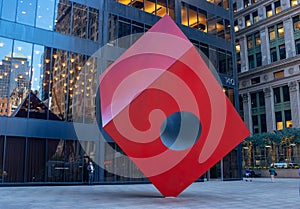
268,48
48,82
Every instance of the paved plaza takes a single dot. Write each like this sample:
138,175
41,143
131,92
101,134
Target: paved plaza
260,193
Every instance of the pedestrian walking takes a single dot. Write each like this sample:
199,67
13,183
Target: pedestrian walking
272,173
91,171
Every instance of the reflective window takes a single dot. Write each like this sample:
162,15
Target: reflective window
19,85
63,17
26,12
45,14
9,9
79,20
93,24
5,75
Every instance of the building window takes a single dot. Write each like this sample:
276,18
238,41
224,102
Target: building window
254,102
279,123
194,17
269,11
277,7
251,61
255,80
288,119
258,59
237,47
296,23
246,3
247,20
249,42
258,108
297,44
234,7
279,74
272,34
282,53
257,39
255,16
286,93
273,54
236,27
280,30
294,3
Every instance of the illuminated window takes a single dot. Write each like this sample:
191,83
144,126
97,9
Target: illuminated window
184,15
280,30
192,17
237,47
296,23
277,7
269,10
236,27
247,20
294,3
202,20
257,39
272,34
279,74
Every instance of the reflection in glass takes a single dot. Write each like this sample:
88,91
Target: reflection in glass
79,20
5,72
93,24
45,14
26,12
20,67
58,104
63,17
9,10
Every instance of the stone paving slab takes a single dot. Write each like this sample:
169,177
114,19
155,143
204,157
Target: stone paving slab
260,193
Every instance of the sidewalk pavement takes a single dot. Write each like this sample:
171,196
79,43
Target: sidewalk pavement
260,193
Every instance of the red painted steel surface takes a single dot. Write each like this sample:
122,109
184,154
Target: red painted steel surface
162,73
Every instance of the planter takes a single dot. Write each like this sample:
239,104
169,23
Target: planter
281,173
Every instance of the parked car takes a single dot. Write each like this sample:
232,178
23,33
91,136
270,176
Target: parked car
284,165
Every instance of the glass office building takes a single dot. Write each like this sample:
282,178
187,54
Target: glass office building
48,82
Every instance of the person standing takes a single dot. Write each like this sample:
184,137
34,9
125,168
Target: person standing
272,173
91,171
